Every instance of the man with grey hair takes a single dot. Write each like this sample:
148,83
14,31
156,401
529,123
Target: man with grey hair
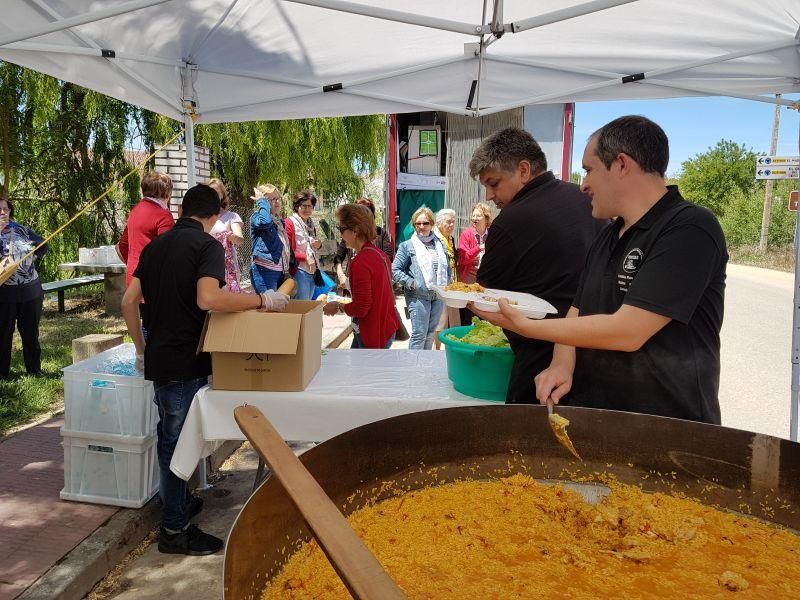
538,242
643,331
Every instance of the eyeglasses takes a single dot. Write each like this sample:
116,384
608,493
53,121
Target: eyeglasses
343,229
422,223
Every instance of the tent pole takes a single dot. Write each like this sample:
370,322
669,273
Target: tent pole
94,51
564,14
795,394
189,129
82,19
399,16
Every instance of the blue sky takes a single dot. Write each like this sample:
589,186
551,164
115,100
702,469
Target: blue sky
695,124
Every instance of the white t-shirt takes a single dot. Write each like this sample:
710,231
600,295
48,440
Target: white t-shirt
224,221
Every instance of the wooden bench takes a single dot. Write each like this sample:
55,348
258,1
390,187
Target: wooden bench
67,284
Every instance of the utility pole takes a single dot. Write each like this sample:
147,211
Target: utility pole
767,213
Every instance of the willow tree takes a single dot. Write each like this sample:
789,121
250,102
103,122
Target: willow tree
62,146
328,155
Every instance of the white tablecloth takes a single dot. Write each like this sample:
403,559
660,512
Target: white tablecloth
352,388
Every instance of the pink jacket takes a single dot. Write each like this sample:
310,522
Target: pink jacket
468,251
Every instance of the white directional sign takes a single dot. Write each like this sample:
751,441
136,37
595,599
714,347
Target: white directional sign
778,167
783,161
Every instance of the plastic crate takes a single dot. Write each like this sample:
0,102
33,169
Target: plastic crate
98,402
109,469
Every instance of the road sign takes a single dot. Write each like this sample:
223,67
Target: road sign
794,196
780,172
779,161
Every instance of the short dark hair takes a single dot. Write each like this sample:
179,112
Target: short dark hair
638,137
505,149
201,201
301,197
10,209
358,219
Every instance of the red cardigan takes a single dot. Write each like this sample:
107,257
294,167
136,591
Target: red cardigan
373,300
145,221
468,251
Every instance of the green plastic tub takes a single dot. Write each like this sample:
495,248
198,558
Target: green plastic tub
477,371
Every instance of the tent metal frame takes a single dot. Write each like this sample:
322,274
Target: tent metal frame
495,29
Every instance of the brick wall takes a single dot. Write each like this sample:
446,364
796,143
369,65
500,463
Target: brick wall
172,160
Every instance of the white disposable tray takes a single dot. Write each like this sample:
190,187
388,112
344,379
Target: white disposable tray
109,469
529,305
96,402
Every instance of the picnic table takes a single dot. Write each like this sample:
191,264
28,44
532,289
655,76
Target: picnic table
113,280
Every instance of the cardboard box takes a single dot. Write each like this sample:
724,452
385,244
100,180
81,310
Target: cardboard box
275,352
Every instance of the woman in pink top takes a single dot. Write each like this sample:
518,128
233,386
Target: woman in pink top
228,232
472,242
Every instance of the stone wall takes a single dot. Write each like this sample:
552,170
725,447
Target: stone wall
172,159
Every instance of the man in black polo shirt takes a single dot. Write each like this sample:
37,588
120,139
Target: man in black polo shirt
180,275
648,310
538,242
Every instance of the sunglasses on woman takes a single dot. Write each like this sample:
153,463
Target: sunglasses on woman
343,229
422,223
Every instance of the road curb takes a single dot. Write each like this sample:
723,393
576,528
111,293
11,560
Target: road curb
89,562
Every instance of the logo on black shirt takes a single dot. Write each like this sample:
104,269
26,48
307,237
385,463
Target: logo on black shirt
633,261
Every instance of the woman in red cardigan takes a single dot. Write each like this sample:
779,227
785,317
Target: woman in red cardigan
472,241
372,308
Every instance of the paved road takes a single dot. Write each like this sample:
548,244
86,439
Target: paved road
756,344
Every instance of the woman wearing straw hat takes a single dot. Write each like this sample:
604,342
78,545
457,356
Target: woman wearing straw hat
21,293
271,250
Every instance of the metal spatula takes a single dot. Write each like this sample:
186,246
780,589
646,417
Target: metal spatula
559,426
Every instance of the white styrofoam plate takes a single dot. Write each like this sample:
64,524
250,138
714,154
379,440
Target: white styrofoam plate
529,305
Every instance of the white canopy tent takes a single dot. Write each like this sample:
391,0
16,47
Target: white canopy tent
237,60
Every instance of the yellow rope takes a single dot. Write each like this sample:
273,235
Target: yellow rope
9,269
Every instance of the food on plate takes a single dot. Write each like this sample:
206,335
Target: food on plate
493,299
514,537
483,333
457,286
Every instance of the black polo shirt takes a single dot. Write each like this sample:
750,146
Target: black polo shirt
538,245
168,270
670,262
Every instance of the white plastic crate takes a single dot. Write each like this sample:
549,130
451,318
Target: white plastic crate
97,402
109,469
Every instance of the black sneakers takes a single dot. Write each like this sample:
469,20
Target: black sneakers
191,541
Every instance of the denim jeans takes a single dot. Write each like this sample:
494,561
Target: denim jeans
356,345
305,285
173,399
424,319
264,279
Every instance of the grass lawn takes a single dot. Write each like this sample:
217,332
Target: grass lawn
24,398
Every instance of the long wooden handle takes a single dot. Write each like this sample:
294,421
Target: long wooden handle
356,565
288,287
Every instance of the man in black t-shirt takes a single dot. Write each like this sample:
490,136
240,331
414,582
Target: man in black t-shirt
538,242
180,275
648,311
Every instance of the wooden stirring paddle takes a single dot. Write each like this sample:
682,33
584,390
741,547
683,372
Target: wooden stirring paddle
358,568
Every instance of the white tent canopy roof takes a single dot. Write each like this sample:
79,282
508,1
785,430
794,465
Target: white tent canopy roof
243,60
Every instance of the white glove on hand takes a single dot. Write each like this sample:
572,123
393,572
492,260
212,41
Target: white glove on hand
139,364
274,301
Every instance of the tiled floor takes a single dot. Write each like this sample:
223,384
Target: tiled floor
36,527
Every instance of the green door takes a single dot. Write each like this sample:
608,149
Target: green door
410,200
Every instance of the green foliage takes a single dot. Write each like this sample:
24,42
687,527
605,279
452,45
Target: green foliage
62,146
716,176
576,177
723,179
326,155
